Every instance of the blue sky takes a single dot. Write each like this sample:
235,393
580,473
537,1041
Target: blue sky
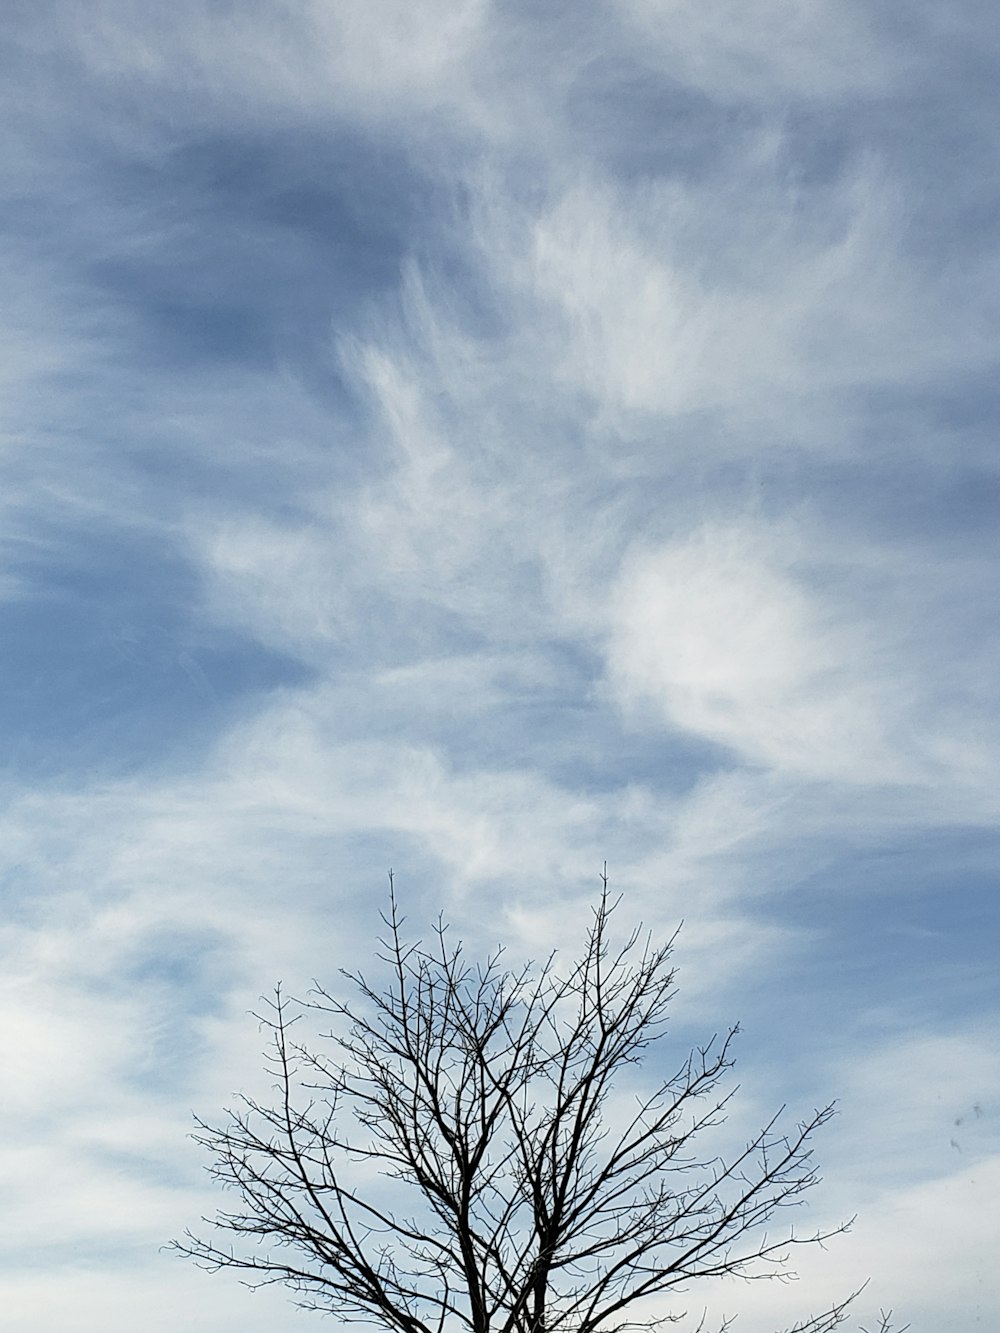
489,439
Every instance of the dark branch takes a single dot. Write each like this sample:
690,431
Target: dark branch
448,1157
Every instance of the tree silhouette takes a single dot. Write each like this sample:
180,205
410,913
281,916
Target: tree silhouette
462,1157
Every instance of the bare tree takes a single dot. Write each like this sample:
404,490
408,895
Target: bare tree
462,1156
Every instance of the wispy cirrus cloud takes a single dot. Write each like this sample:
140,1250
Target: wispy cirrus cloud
486,442
813,50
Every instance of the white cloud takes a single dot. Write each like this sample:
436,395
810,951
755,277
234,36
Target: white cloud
927,1097
804,658
717,630
915,1153
547,418
93,1298
813,49
257,849
925,1230
282,582
926,1251
372,62
741,293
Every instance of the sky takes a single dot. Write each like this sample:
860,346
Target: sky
487,439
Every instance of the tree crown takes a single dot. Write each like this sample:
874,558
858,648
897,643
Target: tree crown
458,1152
